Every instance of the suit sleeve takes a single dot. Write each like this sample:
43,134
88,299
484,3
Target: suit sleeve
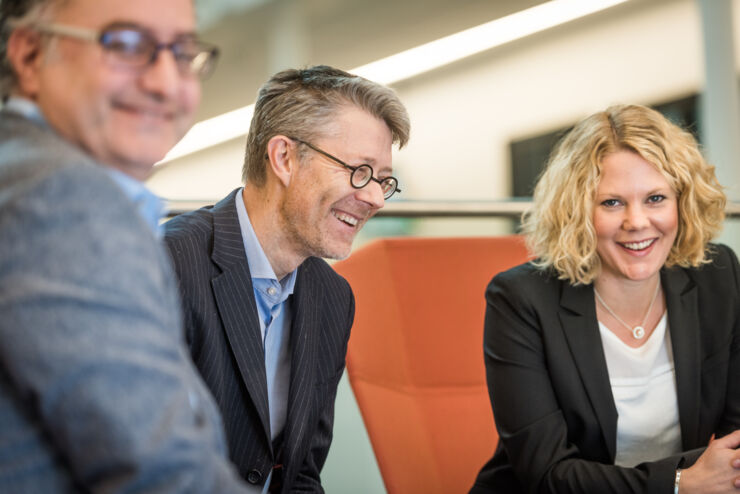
308,479
730,420
90,341
528,416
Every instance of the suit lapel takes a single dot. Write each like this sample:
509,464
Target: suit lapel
234,296
303,340
578,318
683,320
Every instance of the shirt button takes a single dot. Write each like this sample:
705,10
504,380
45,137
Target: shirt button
254,476
199,418
271,291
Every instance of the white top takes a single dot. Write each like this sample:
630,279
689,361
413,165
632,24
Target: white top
644,388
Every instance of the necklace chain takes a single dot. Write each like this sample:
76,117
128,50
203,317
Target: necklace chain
638,331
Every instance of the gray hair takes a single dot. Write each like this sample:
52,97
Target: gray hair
299,103
13,14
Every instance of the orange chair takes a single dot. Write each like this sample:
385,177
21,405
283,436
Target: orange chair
415,357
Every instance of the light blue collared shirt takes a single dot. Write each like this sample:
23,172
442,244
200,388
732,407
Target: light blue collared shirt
275,315
150,207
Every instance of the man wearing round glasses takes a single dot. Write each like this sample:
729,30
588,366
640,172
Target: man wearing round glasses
97,393
267,320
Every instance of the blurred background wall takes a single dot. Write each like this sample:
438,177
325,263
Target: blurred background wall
477,123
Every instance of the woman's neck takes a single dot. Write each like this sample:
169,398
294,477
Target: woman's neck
623,304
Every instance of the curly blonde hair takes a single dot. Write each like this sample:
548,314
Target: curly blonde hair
559,226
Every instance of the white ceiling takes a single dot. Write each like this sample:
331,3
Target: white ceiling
259,37
210,12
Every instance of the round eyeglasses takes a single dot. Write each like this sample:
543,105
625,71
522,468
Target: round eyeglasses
360,175
131,46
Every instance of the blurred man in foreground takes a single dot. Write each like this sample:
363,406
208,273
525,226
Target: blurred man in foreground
97,393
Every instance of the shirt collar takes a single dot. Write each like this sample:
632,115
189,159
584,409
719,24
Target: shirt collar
25,108
150,207
259,265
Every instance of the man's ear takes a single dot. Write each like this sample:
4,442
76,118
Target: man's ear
25,52
281,160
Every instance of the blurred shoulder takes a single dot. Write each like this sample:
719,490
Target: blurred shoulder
33,157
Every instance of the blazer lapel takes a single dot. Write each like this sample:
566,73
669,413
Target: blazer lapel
578,318
683,320
234,296
303,340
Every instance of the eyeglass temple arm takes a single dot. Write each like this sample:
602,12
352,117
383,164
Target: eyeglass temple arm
70,31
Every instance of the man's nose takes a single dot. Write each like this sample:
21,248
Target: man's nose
162,75
371,194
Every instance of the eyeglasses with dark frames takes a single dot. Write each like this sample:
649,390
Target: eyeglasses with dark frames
361,175
131,46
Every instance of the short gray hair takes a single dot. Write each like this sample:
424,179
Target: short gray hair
15,13
299,103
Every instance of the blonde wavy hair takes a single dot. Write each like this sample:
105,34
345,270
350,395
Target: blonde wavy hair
559,227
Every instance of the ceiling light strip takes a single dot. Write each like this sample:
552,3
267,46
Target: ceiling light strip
457,46
412,62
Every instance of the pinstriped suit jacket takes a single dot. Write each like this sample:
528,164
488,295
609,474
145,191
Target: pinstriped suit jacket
223,331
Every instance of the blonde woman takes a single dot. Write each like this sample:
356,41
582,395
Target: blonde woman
614,357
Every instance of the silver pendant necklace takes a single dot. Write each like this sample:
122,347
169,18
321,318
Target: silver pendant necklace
638,332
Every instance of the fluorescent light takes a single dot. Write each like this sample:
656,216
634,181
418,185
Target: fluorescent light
213,131
457,46
412,62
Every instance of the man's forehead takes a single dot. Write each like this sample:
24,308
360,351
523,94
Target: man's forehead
164,17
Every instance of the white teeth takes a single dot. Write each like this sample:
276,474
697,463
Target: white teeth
345,217
638,245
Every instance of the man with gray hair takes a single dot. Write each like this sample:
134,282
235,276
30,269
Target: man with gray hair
97,393
266,319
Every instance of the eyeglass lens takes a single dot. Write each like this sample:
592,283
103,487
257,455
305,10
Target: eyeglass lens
135,48
363,174
389,186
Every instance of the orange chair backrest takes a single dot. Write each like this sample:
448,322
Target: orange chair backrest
415,357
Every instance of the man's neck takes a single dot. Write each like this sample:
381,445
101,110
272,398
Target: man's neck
31,110
264,215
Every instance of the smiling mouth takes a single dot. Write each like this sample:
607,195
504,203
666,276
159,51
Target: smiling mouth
638,246
346,218
157,113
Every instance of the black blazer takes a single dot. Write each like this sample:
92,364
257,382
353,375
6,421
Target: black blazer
223,333
549,384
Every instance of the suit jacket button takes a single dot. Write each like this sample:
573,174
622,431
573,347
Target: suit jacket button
254,477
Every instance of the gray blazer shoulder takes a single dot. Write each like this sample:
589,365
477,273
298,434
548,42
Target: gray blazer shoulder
96,390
